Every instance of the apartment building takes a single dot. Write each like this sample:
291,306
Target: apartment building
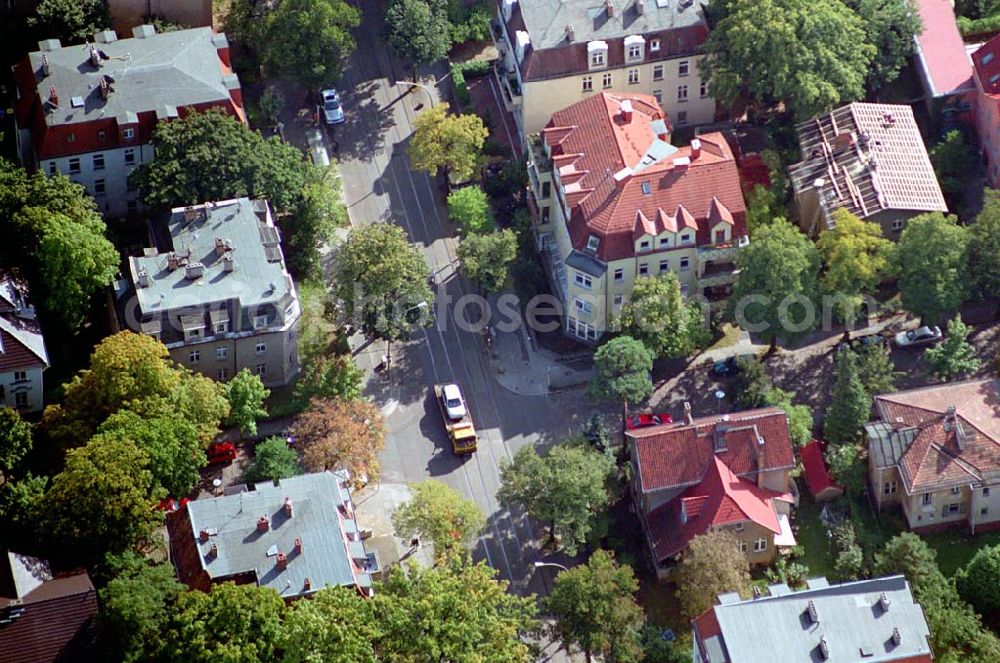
729,472
869,159
216,292
935,452
23,357
613,201
89,111
555,52
986,74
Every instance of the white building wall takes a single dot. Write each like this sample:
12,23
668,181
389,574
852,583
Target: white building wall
30,384
83,169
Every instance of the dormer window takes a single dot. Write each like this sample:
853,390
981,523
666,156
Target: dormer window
593,242
654,45
988,58
686,238
634,47
597,54
644,245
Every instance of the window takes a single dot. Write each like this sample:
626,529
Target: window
897,224
221,327
664,266
618,299
988,58
260,321
619,275
597,58
260,369
760,545
644,245
643,269
583,306
926,498
664,242
20,376
986,491
546,213
740,527
70,138
546,189
261,348
685,264
686,238
128,134
890,488
647,188
682,117
588,83
100,187
129,155
74,165
194,357
633,76
583,280
654,44
720,236
949,510
221,353
955,490
984,511
743,547
635,51
52,168
593,242
223,374
606,80
581,329
682,93
703,89
683,67
657,72
20,399
658,95
101,135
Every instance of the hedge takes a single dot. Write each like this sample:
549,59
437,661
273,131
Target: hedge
979,26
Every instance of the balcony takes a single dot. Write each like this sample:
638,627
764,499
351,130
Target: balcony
541,160
725,252
510,86
717,273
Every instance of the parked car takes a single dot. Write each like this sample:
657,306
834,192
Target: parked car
729,366
863,342
647,419
221,452
454,403
920,336
317,149
333,111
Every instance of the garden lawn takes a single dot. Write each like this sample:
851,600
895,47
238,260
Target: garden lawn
811,535
955,548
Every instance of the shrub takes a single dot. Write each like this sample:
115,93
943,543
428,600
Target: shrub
470,207
461,88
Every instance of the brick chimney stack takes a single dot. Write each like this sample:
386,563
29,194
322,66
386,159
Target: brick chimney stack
53,96
263,524
298,546
288,507
695,148
282,561
688,417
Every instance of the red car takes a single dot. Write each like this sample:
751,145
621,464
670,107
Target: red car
647,419
221,452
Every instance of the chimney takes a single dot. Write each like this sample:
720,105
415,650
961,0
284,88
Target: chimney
756,592
213,552
813,615
227,262
203,536
142,277
282,561
288,507
609,6
640,6
687,414
897,637
220,246
95,59
298,546
626,111
105,88
824,648
194,270
306,585
695,149
53,96
46,69
570,33
191,213
263,524
171,261
884,601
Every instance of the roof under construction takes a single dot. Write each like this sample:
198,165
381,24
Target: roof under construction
867,158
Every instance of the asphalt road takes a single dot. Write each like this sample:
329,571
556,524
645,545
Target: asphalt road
379,186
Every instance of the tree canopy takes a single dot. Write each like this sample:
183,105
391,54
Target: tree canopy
810,55
315,217
438,512
657,315
977,581
337,434
595,609
856,258
953,356
486,258
15,440
273,459
932,262
622,371
444,141
953,159
890,26
71,21
329,377
984,246
711,565
470,207
418,30
566,489
333,626
308,40
876,370
850,407
246,395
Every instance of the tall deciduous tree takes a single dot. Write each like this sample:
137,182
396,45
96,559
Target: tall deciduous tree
418,31
329,377
984,247
449,142
426,615
22,504
337,434
953,159
657,315
213,156
333,626
622,372
954,356
15,440
566,489
273,459
316,215
851,406
932,262
72,21
711,565
810,55
486,259
977,581
135,605
800,417
470,207
246,395
777,285
846,463
595,609
856,258
438,512
890,26
308,40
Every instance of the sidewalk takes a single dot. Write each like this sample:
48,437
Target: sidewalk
524,370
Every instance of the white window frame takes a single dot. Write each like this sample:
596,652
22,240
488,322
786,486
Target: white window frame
682,117
684,68
128,133
223,374
583,306
633,76
619,275
260,349
221,327
618,300
587,84
98,161
657,72
703,90
743,547
20,376
739,527
129,156
927,498
644,269
686,238
685,264
890,488
194,356
654,45
221,354
260,370
583,280
682,93
658,95
664,266
74,161
593,242
760,545
607,80
20,399
53,169
100,187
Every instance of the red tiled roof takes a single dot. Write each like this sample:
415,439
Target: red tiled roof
721,498
15,355
941,51
706,626
602,154
678,454
57,623
818,476
987,66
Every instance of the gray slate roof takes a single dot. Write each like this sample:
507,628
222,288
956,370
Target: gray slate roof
546,20
586,264
157,73
851,618
887,444
231,521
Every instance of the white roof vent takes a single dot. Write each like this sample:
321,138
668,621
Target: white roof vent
521,43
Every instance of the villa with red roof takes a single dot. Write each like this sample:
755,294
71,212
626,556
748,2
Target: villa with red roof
986,63
942,62
935,452
614,201
729,472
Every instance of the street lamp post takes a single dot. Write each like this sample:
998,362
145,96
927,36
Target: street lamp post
539,565
425,88
719,395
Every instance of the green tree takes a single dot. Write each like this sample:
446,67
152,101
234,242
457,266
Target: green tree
891,27
381,278
953,356
711,565
763,208
810,55
213,156
850,407
953,159
438,512
984,246
932,262
330,378
752,385
910,555
470,207
336,434
135,605
448,142
246,395
486,258
333,626
657,650
850,558
800,417
230,623
418,31
856,258
595,609
847,465
309,40
104,500
272,101
22,503
622,372
72,21
976,581
876,370
15,440
777,284
273,459
566,489
315,217
428,615
657,315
